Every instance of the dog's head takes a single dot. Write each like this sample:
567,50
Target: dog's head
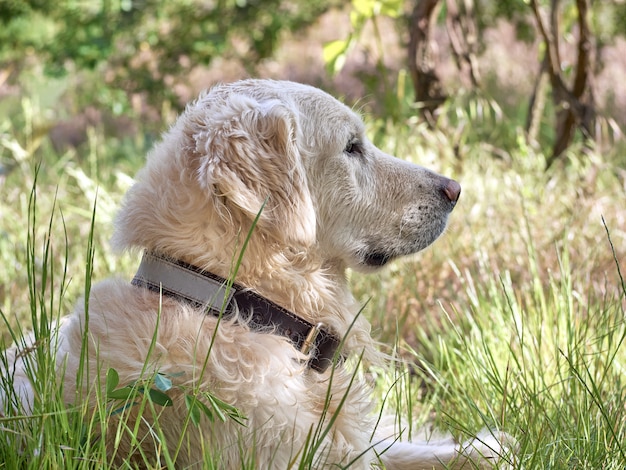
292,160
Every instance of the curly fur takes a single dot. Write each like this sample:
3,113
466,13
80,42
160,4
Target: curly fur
331,201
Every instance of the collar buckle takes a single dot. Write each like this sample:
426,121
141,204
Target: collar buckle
309,341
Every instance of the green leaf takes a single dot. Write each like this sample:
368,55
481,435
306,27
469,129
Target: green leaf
357,21
391,8
335,52
162,382
123,393
112,380
215,404
194,412
221,404
364,7
232,411
206,410
159,397
333,49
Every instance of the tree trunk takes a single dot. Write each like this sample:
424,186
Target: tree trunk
537,104
578,109
426,83
575,107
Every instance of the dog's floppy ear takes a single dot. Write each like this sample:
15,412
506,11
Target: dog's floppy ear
248,157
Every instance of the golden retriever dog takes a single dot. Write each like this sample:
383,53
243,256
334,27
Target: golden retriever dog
274,186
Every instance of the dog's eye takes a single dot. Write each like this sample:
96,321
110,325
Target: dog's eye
354,148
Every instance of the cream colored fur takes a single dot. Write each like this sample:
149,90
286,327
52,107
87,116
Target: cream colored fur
332,201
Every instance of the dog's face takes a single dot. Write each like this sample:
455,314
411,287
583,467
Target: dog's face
303,158
370,207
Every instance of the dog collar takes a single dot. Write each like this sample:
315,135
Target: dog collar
217,296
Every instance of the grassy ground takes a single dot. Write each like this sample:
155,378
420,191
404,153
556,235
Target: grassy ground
514,319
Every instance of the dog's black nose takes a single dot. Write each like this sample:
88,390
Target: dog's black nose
452,190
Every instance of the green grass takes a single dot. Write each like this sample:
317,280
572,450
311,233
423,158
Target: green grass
514,320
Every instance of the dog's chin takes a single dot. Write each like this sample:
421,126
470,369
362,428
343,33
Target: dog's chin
376,257
369,262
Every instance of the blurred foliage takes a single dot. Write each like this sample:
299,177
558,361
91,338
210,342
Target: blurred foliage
607,21
107,54
143,46
608,17
336,52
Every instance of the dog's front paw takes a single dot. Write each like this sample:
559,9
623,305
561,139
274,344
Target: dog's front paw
490,448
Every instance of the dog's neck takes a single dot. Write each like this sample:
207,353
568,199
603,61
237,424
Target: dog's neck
220,297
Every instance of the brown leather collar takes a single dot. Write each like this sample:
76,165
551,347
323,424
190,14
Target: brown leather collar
217,296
